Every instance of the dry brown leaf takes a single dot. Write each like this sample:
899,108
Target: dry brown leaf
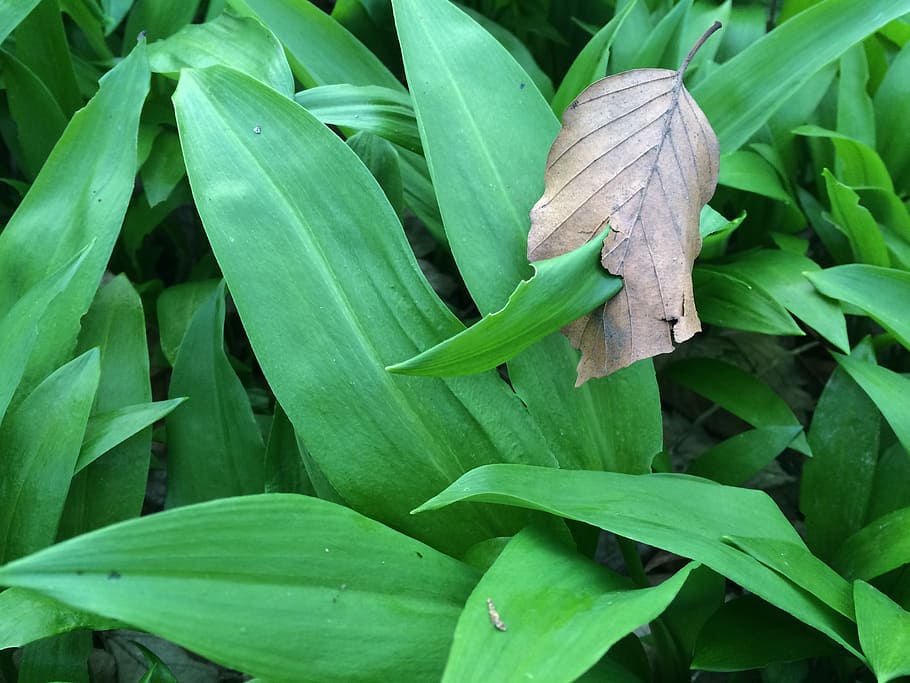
635,151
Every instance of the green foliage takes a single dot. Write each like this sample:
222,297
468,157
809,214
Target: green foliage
226,222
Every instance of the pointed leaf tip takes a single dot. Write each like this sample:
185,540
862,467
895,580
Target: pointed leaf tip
635,151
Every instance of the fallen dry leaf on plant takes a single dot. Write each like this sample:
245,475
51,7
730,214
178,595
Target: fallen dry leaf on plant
635,151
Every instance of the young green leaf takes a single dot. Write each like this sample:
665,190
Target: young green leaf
884,631
554,614
282,586
637,153
879,547
561,290
684,515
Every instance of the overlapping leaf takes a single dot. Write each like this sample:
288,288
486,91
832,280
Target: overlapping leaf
637,153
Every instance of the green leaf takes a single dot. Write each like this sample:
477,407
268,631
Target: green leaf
63,657
660,45
107,430
749,171
486,140
41,45
215,448
591,63
881,292
837,482
855,221
30,616
773,636
79,199
561,613
743,93
742,456
176,307
39,444
322,51
887,389
891,111
241,43
19,327
116,325
781,275
383,111
12,12
855,113
285,471
561,290
681,514
163,168
278,585
520,53
726,300
884,631
381,158
158,19
877,548
38,118
288,250
857,164
736,391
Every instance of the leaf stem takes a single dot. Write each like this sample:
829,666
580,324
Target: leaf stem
701,41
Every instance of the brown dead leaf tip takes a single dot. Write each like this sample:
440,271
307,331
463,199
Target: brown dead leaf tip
637,153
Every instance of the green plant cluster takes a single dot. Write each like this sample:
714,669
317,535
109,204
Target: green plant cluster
225,220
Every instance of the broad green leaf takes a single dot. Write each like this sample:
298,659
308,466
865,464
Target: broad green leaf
561,290
19,327
857,164
163,168
79,199
215,448
742,456
743,93
39,444
30,616
684,515
748,171
726,300
660,45
781,275
591,63
701,15
12,12
855,113
383,111
241,43
39,119
887,389
520,53
285,471
891,110
281,586
106,430
736,391
419,195
486,140
323,52
288,248
116,325
794,561
560,611
63,657
854,220
176,307
837,481
158,19
41,45
881,292
888,492
381,159
884,631
877,548
773,636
